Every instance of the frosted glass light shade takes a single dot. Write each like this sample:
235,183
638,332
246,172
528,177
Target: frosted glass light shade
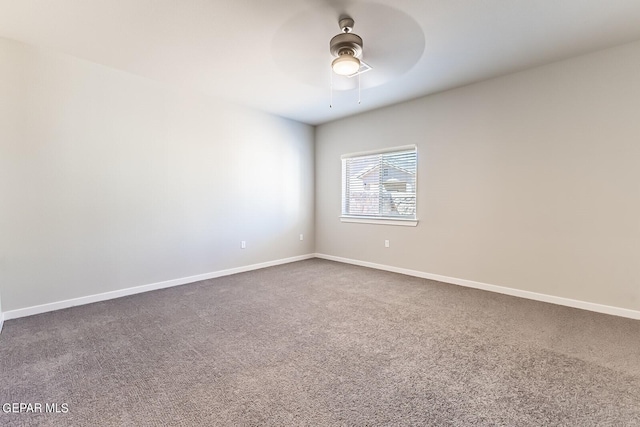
345,65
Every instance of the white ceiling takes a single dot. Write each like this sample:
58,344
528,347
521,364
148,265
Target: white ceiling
274,54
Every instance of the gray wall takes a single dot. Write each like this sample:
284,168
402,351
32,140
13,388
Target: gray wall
529,181
109,181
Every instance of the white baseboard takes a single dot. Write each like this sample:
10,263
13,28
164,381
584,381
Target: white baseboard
58,305
600,308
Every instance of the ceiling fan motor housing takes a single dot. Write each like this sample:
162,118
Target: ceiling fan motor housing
346,43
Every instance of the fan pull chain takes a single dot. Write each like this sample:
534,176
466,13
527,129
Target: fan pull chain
331,88
359,88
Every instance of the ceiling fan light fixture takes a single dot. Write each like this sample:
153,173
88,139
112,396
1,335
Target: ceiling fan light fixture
346,64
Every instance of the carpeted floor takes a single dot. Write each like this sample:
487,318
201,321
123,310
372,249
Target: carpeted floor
321,343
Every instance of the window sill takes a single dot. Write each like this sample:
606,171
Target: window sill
381,221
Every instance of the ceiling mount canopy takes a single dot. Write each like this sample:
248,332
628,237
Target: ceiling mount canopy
347,48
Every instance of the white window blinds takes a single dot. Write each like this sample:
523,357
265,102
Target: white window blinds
380,184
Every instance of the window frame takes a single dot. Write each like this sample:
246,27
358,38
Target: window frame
383,220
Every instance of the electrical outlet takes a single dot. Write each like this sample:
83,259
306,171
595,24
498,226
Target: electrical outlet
386,243
301,237
243,244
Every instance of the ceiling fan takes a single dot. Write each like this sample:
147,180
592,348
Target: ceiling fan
346,47
385,28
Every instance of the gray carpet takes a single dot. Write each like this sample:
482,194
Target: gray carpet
321,343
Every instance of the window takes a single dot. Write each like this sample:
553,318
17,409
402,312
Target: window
380,186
